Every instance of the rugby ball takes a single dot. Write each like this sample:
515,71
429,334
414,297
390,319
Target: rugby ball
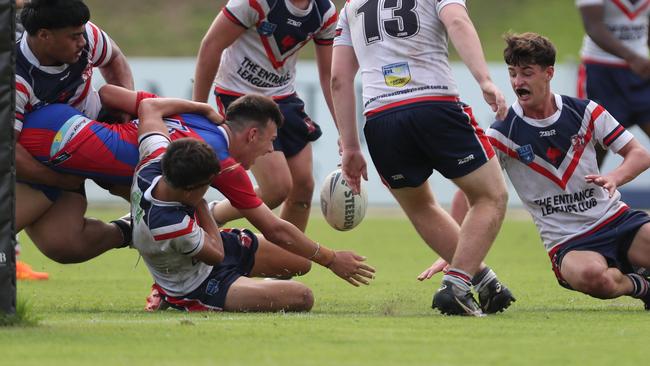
342,209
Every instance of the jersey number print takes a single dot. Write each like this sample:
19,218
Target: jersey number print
403,23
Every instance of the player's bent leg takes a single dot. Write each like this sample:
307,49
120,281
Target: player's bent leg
274,183
247,294
297,206
486,193
273,261
459,207
64,235
422,209
588,272
30,205
273,177
639,252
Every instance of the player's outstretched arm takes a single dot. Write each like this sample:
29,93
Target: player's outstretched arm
118,98
344,69
592,19
466,41
345,264
222,33
636,160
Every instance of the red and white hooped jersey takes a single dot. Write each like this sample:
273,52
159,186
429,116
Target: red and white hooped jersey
401,47
38,85
547,161
263,59
628,22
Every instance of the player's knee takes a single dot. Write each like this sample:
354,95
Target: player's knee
595,281
304,299
303,187
302,267
276,194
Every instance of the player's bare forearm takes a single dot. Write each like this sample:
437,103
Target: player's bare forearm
163,107
466,41
592,19
118,72
118,98
636,160
344,69
221,34
324,63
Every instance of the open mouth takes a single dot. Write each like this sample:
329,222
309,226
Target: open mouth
522,92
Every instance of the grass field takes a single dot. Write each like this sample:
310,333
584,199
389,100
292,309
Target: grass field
92,314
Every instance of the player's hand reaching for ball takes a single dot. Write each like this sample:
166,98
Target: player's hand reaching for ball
351,267
354,167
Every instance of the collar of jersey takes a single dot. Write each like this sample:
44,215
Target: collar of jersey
296,11
29,55
545,122
149,197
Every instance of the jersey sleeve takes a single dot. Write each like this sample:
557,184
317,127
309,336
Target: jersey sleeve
24,96
100,45
233,182
191,243
581,3
342,33
607,131
179,227
325,35
151,146
245,13
440,4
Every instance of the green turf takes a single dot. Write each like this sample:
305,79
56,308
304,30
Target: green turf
175,28
92,314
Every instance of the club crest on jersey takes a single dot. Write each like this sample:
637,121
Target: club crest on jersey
266,28
526,154
397,74
578,142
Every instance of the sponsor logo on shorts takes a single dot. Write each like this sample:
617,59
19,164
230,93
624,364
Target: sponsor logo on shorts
212,287
466,159
3,259
397,74
526,154
397,177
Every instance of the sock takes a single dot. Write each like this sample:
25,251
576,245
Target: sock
482,278
459,278
640,285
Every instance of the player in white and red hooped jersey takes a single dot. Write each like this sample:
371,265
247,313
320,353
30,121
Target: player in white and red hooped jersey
615,57
55,59
415,123
547,147
252,47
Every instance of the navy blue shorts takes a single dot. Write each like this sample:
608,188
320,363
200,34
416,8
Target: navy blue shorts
407,143
619,90
53,193
298,129
612,241
239,258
